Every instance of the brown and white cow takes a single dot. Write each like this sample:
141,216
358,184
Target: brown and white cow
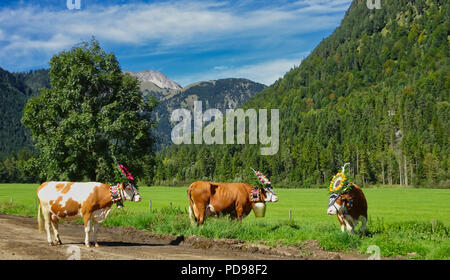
210,198
349,207
90,201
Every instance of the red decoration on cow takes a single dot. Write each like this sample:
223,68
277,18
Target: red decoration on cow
128,176
263,179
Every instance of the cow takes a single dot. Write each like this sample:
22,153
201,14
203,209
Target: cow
210,198
350,207
90,201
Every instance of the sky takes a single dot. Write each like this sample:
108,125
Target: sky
188,41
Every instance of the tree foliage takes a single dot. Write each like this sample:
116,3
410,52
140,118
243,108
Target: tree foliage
91,112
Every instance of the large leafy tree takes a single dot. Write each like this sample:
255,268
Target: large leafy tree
91,113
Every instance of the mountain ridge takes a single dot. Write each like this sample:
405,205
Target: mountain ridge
220,94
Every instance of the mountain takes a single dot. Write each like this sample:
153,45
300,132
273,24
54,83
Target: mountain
375,93
15,90
149,78
220,94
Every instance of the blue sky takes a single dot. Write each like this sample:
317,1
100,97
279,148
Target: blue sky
188,41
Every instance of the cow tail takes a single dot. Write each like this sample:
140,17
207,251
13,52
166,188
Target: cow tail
191,206
39,217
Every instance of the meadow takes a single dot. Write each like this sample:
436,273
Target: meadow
414,223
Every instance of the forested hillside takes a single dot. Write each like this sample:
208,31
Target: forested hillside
16,146
375,93
15,90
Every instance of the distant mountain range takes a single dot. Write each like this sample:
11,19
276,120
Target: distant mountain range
17,88
220,94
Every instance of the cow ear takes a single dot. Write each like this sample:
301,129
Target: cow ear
213,188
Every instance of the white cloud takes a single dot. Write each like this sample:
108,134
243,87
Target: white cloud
265,72
39,32
220,67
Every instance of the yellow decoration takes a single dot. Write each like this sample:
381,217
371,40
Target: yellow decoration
337,182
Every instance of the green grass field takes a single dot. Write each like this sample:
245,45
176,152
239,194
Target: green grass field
409,222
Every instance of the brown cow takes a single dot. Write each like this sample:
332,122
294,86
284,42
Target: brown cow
90,201
210,198
350,207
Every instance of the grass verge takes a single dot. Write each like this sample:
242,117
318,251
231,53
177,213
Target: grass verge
415,240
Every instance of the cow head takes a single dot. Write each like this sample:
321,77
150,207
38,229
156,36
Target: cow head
337,203
270,195
130,192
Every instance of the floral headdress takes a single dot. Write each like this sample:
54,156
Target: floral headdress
339,183
262,180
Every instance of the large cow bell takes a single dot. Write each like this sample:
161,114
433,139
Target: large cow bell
259,208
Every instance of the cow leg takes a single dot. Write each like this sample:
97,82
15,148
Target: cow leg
191,215
341,222
363,224
47,221
349,224
87,229
239,212
55,223
94,233
201,218
199,213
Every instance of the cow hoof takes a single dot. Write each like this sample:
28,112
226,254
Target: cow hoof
88,245
96,245
51,244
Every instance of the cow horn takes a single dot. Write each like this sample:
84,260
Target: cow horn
343,167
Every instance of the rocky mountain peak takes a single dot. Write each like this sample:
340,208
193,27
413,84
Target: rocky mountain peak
155,77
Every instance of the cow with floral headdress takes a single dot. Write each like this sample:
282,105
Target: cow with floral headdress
236,199
348,202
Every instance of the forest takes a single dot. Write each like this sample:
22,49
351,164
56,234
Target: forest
375,93
16,145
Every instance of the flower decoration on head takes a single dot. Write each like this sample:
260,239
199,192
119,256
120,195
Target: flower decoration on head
263,180
339,183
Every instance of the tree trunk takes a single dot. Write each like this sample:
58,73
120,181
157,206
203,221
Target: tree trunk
406,171
390,171
357,161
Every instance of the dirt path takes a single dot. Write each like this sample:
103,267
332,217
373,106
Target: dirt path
20,239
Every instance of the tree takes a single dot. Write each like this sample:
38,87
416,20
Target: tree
91,112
